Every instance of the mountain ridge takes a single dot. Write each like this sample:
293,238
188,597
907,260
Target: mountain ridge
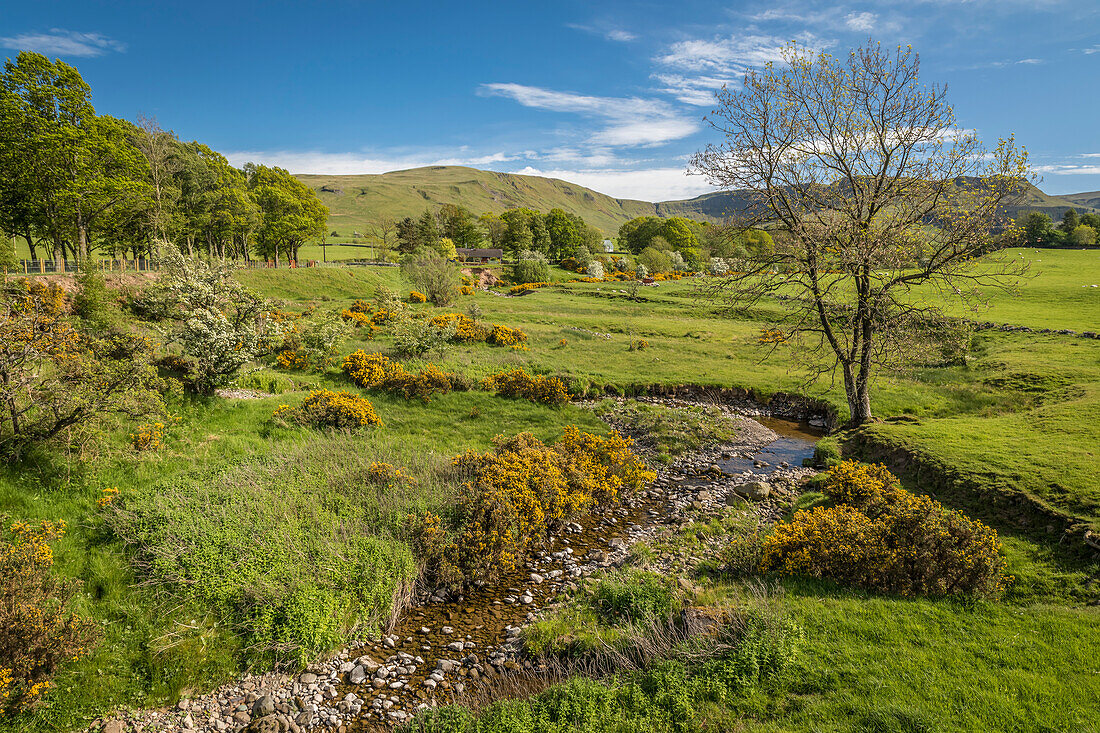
353,200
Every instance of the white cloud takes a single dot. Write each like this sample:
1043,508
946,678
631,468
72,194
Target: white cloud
610,33
863,22
1094,49
61,42
1068,169
655,184
620,35
700,66
355,163
1030,61
627,120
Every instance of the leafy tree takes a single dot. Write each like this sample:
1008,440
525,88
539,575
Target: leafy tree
408,239
680,234
850,159
1039,230
531,267
57,381
1070,221
566,233
427,233
1083,236
290,212
431,273
217,323
654,260
1091,220
517,234
495,228
635,235
458,224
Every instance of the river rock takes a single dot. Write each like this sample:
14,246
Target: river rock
358,675
307,678
754,490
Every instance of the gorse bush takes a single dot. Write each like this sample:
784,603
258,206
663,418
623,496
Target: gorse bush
526,287
312,343
466,330
882,537
505,336
516,493
376,371
38,630
415,297
324,408
537,388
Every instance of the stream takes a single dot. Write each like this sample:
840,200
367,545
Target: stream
443,645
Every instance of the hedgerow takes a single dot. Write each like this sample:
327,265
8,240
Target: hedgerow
882,537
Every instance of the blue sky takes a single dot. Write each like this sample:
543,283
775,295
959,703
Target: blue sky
610,95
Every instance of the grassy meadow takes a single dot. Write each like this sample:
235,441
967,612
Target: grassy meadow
1020,420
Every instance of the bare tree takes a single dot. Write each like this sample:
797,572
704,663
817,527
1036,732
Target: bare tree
383,229
871,190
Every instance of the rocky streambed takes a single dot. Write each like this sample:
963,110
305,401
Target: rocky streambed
445,643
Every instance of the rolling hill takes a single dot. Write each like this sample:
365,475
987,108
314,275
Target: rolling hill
353,200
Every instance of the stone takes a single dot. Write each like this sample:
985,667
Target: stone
188,723
754,490
263,707
114,726
307,678
268,724
358,675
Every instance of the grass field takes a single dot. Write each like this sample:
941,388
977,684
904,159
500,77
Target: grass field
1021,418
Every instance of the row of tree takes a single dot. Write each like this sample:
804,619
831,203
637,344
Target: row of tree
1074,230
73,182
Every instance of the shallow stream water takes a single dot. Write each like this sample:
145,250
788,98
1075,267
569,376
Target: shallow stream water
448,631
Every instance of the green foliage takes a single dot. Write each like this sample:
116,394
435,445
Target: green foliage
432,274
290,212
530,267
634,596
93,303
418,336
668,432
1083,236
1039,230
214,320
294,550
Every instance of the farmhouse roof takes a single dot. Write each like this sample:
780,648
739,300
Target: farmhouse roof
489,253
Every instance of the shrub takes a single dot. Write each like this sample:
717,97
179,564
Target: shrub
526,287
375,371
520,490
323,408
415,297
412,337
882,537
530,267
432,274
538,388
638,345
466,328
149,436
38,630
505,336
466,290
313,343
595,269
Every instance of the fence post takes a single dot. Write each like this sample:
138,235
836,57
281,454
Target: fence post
42,267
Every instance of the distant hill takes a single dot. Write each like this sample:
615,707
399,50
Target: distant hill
354,200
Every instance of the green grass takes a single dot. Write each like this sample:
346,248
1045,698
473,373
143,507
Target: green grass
1020,420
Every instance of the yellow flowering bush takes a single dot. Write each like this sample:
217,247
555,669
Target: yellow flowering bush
522,489
882,537
467,330
537,388
415,297
327,409
466,290
638,345
505,336
106,497
526,288
149,436
38,630
772,336
377,371
295,359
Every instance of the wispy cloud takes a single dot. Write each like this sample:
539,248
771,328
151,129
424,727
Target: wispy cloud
297,161
1030,61
699,66
863,22
626,120
61,42
611,33
1068,169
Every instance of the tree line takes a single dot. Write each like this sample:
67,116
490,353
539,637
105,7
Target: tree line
1075,230
73,182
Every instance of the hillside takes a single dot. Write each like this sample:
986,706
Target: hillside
353,200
